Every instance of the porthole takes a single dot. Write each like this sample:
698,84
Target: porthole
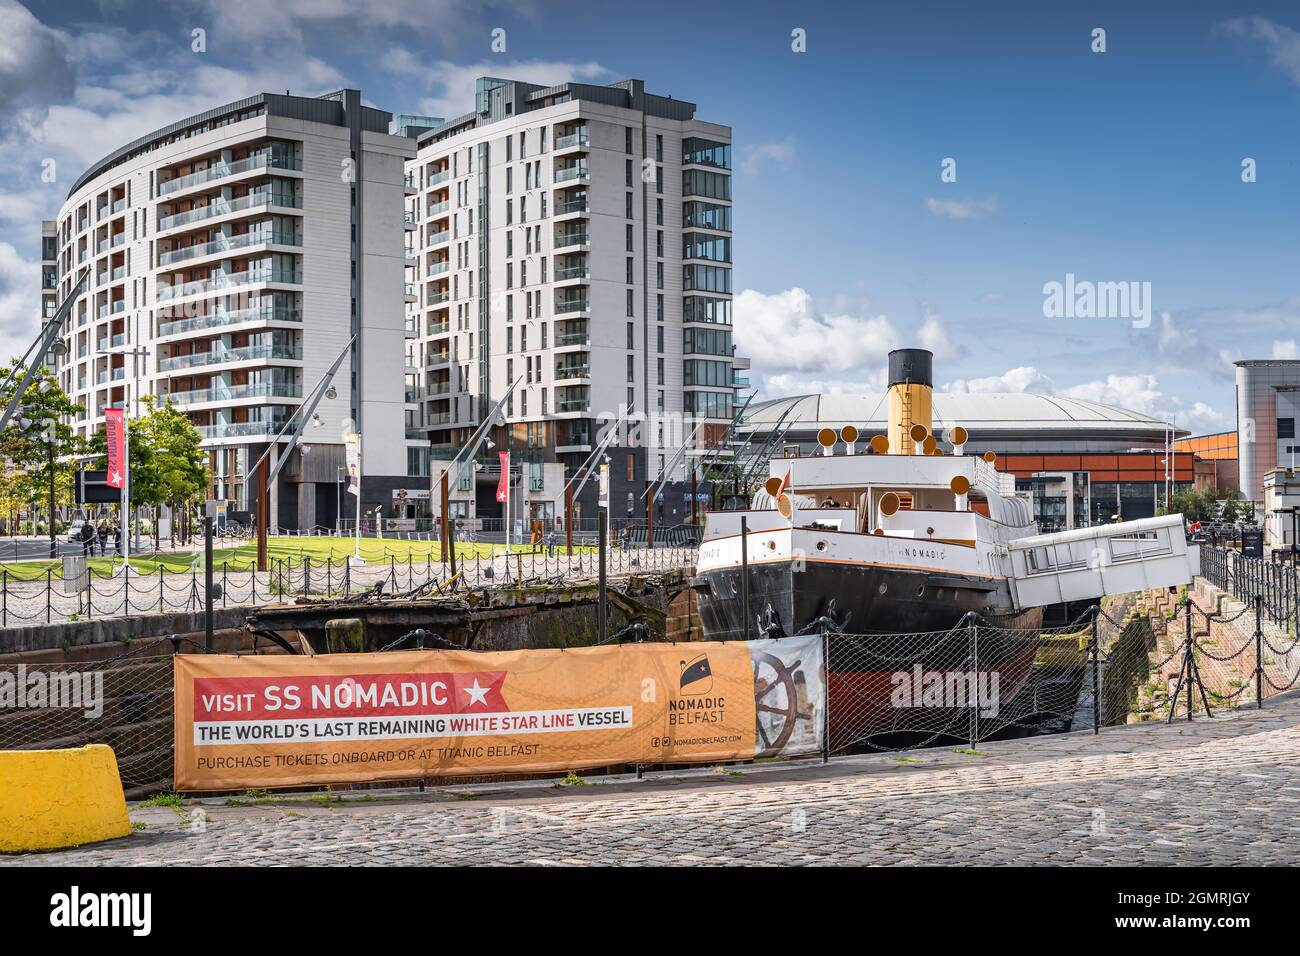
883,588
821,545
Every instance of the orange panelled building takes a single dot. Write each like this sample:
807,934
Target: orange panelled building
1142,466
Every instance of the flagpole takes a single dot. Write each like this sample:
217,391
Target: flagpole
356,556
509,522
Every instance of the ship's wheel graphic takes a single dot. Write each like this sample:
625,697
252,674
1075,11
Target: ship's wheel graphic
779,691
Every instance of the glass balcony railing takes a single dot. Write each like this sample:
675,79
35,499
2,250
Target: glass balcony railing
223,207
578,138
438,268
573,405
572,338
437,359
408,217
564,239
438,209
572,371
235,317
439,297
230,393
275,237
408,180
265,160
439,328
221,356
240,429
572,272
229,280
574,205
441,177
565,306
411,289
112,342
438,238
439,388
119,205
567,174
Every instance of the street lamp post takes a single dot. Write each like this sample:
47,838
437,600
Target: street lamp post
50,435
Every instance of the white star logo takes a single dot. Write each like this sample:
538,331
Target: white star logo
115,478
477,694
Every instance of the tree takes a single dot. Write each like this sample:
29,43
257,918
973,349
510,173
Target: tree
1229,512
173,468
39,422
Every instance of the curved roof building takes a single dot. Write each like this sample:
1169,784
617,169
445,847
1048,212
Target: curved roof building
1005,423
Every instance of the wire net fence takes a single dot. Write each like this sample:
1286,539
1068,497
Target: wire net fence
48,598
1146,657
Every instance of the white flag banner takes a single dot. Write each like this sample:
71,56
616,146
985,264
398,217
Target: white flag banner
353,445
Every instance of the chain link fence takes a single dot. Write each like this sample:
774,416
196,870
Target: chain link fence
46,598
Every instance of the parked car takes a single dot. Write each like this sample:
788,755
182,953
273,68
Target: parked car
74,530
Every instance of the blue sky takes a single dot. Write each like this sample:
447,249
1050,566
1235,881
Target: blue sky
1122,166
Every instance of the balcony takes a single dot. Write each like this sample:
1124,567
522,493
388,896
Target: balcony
573,405
437,209
566,240
229,280
439,297
230,393
411,291
409,184
438,178
104,344
412,328
275,237
571,174
439,328
245,353
572,272
576,139
572,372
571,207
437,360
409,221
578,337
438,268
119,206
223,318
566,306
240,429
263,160
438,238
223,207
439,388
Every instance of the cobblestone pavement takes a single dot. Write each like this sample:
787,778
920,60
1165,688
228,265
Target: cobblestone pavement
1221,791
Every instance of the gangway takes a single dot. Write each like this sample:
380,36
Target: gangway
1088,563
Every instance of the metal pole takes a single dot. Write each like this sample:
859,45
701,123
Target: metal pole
263,516
207,584
1259,652
1096,681
1190,661
650,517
568,518
54,545
444,492
695,517
744,577
601,609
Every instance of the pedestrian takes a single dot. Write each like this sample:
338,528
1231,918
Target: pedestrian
550,542
103,537
117,537
88,540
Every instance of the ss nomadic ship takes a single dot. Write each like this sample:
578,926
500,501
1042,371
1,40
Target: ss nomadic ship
908,534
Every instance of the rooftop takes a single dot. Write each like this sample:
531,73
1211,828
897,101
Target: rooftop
1018,411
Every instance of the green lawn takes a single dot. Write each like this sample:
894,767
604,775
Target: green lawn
289,550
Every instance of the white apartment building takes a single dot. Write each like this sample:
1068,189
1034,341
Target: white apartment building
232,255
577,238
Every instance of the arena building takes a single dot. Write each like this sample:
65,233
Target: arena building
1083,462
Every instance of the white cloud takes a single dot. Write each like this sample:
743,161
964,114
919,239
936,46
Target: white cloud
257,21
934,336
20,301
783,332
35,67
1286,350
754,155
1281,43
961,210
1024,378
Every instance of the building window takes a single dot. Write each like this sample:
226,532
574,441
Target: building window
1286,428
631,335
627,139
659,212
631,470
631,368
629,206
629,239
659,149
631,304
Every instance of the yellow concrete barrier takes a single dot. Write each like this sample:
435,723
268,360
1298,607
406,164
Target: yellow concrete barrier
60,798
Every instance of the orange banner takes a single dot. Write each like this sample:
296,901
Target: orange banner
283,721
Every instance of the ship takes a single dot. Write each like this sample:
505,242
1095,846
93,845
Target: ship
901,538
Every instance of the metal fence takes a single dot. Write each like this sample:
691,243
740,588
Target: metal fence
46,598
1275,582
1148,658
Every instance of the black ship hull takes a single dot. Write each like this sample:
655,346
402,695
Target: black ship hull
895,625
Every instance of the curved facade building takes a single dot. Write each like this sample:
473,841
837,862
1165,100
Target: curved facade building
231,257
1268,400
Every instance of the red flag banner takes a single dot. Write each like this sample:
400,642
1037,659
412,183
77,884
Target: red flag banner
505,475
115,432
